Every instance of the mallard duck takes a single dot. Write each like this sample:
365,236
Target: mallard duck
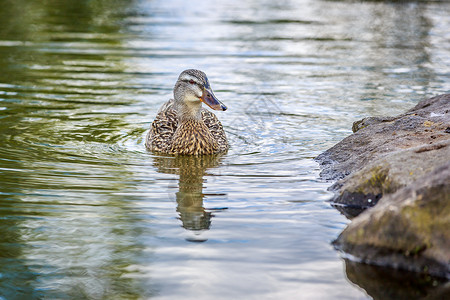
182,125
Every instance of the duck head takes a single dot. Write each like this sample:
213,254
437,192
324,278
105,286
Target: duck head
192,88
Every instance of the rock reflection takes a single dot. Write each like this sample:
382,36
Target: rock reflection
191,171
386,283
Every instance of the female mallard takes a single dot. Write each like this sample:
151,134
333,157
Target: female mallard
182,126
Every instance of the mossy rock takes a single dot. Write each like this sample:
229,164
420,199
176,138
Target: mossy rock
388,174
402,163
409,229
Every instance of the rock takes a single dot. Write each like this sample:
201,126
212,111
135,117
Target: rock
387,153
386,175
369,121
409,229
403,164
426,123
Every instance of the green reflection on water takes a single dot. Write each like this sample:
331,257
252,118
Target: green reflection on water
56,105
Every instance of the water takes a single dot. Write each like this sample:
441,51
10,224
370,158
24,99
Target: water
87,213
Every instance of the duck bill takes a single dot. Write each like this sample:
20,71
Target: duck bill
209,99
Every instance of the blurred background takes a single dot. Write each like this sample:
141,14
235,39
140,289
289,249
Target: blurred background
87,213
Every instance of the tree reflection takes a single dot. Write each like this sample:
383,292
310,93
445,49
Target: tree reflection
48,91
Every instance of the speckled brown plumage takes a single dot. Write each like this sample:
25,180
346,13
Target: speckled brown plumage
182,126
191,137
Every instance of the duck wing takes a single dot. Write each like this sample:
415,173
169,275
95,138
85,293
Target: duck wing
162,128
216,129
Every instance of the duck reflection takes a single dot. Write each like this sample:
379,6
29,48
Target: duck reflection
191,170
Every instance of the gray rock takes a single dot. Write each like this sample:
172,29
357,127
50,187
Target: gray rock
387,174
369,121
403,164
376,137
409,229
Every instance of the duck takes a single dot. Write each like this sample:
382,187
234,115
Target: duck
182,126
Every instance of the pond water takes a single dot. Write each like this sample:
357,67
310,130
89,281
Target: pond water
87,213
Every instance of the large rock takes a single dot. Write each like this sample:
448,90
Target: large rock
387,174
409,229
387,153
403,163
428,122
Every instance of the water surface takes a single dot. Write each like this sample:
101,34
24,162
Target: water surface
87,213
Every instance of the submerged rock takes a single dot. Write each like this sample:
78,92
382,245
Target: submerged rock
403,164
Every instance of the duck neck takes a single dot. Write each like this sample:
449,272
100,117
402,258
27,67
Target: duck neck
189,111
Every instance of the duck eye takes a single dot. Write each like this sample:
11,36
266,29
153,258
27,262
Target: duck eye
191,81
